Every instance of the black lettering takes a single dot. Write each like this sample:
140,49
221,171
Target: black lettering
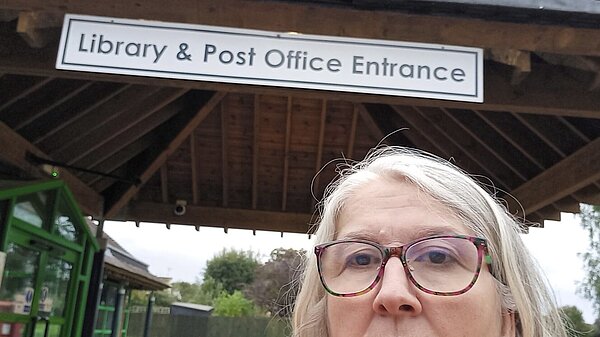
312,66
356,61
456,73
102,43
411,70
81,43
229,57
435,73
419,72
209,49
334,65
136,49
375,64
268,58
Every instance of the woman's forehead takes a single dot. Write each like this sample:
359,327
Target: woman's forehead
392,210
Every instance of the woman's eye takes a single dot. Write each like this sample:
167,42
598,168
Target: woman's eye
437,257
362,260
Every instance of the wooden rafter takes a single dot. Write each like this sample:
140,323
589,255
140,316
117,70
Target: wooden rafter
483,144
436,135
15,154
286,158
319,159
118,158
255,151
500,95
25,121
422,140
136,131
576,171
370,123
225,152
60,125
42,82
120,122
352,135
509,139
162,157
164,182
62,142
467,145
194,169
216,217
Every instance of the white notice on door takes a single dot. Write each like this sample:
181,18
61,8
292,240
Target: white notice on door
2,264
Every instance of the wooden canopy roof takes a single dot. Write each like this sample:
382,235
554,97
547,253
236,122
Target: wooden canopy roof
250,157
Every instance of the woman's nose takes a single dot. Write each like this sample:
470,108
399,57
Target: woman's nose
396,295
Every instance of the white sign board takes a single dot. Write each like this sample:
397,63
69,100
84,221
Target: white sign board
219,54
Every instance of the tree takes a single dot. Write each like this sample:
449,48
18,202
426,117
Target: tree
231,268
275,286
574,320
590,286
233,305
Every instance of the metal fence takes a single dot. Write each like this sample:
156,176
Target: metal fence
164,325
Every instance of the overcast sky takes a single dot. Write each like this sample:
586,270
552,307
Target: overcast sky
181,252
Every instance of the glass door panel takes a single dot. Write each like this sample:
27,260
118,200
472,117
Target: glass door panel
55,287
18,282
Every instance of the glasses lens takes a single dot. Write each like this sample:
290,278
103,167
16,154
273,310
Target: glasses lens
443,264
349,267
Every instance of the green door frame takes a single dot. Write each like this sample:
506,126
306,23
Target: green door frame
50,245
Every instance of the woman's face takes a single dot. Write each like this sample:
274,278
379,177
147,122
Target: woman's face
393,212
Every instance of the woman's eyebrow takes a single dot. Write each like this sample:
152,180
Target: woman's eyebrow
406,237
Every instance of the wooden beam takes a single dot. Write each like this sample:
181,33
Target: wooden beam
129,99
164,183
31,26
370,123
255,151
88,200
58,126
574,99
352,135
24,121
576,171
116,124
449,145
216,217
194,169
225,152
468,131
42,82
162,157
286,158
319,159
135,132
340,20
117,158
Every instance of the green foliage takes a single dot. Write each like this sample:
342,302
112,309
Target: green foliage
164,298
209,291
138,298
590,286
275,285
576,325
231,268
233,305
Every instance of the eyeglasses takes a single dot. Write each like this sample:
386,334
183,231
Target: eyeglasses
444,265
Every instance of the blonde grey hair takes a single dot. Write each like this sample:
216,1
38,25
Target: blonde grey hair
520,283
